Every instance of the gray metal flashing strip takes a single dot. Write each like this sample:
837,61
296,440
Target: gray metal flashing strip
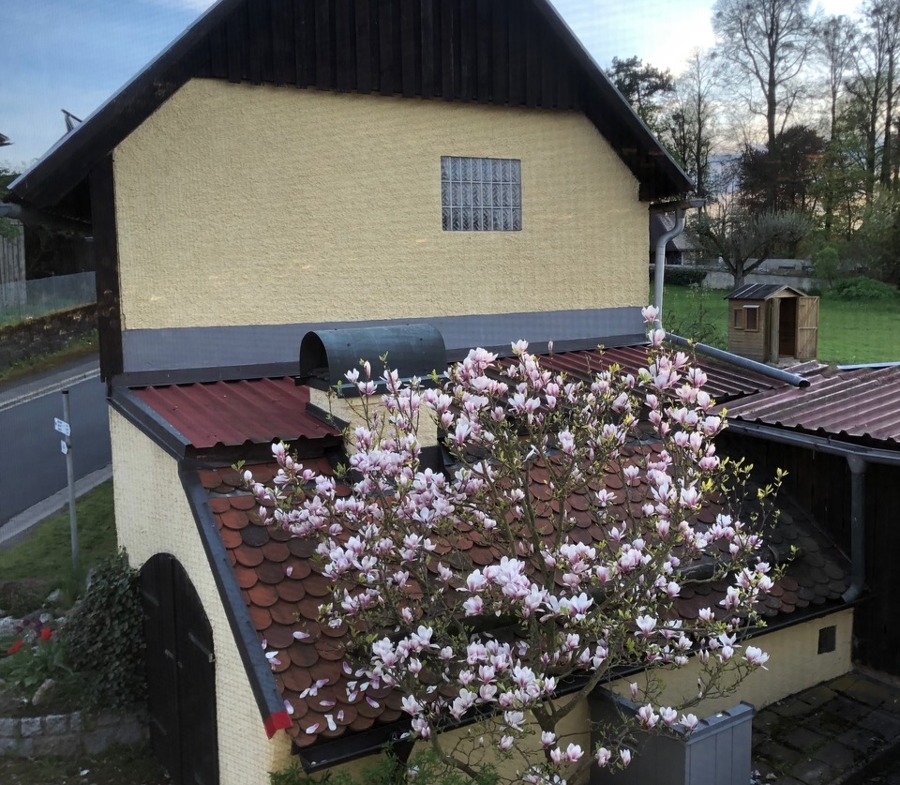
138,413
259,672
273,345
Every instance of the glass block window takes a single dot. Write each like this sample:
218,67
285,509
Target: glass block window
481,194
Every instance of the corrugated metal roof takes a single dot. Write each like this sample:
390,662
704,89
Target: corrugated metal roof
759,291
724,383
863,403
236,412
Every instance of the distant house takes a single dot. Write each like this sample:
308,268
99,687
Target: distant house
287,168
679,251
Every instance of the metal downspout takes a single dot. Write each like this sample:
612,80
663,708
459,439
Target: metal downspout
857,527
659,273
857,458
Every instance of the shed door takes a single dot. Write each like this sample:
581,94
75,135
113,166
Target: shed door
787,327
807,328
180,674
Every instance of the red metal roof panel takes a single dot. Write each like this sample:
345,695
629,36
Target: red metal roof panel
236,412
863,403
724,383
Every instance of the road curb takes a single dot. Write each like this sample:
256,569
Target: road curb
17,528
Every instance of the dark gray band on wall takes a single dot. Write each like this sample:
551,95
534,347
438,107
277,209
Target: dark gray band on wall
274,345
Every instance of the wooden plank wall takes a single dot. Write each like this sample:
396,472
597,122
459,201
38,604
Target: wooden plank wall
820,483
12,269
496,51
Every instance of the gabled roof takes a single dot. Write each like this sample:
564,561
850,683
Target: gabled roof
508,52
862,404
761,291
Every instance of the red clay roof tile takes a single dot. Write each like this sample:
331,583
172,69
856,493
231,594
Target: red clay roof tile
282,604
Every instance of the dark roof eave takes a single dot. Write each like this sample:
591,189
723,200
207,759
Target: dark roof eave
676,181
71,159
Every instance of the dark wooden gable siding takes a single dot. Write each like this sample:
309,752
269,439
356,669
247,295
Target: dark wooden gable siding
489,51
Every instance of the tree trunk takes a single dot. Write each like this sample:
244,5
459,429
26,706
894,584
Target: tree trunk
889,96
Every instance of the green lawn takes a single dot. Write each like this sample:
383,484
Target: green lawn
45,554
849,332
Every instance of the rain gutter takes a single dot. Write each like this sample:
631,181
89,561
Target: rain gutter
741,362
857,457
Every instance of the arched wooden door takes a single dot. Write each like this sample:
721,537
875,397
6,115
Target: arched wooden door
181,674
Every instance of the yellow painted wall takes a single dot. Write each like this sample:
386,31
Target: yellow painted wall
241,204
794,665
153,516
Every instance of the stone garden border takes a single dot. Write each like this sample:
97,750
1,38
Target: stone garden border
71,735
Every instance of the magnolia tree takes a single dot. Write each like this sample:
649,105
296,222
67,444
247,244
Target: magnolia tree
505,652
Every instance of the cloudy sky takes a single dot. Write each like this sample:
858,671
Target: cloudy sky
74,54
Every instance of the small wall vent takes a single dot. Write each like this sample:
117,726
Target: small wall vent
411,349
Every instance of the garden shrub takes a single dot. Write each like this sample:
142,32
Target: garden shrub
862,288
104,635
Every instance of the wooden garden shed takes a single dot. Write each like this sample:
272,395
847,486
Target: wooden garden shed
772,322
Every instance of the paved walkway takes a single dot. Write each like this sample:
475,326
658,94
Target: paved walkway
843,732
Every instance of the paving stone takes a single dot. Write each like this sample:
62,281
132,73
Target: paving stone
817,696
75,720
837,756
812,771
803,739
56,723
9,745
792,708
859,740
30,726
882,723
66,745
845,709
9,727
864,690
776,753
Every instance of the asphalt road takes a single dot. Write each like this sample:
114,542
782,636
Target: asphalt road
31,464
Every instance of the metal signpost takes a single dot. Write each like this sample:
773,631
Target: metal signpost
65,447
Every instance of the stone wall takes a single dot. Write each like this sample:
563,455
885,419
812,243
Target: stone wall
45,334
70,735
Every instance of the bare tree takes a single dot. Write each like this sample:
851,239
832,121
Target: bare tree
838,38
691,120
768,42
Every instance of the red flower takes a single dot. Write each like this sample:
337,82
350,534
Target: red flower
16,646
46,633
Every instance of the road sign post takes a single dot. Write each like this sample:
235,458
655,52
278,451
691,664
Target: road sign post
65,446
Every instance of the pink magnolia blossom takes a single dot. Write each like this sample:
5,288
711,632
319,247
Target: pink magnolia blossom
589,537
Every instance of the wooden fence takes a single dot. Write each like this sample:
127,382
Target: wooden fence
12,270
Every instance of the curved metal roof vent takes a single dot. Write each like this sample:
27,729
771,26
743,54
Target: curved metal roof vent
412,349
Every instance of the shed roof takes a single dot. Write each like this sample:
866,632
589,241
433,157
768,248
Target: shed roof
863,404
761,291
503,52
